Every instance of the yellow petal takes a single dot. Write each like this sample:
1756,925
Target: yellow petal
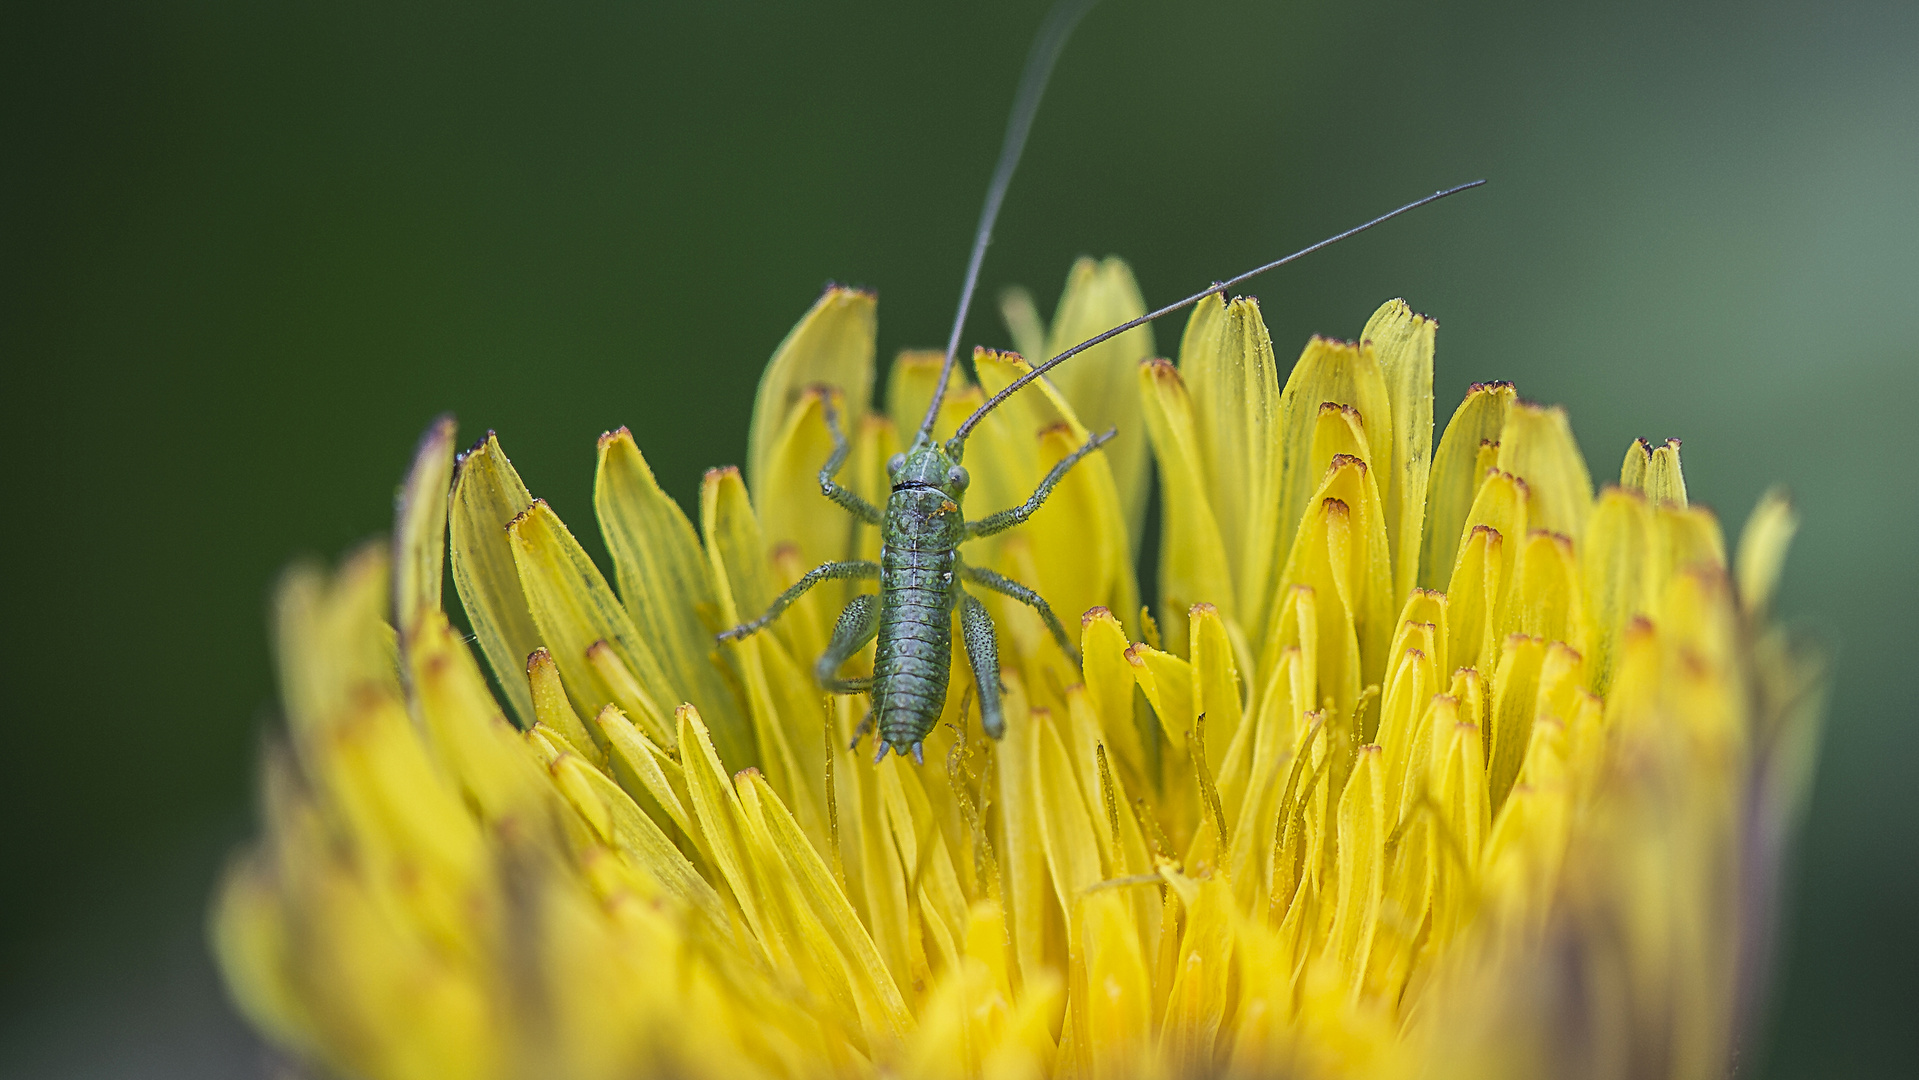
487,496
1109,683
1687,537
1483,576
575,611
743,586
248,934
1463,819
735,549
831,345
330,641
1456,475
1403,342
716,806
1423,624
1216,690
666,587
1505,504
1409,688
1537,446
1327,371
1023,321
1614,574
1099,382
1559,684
1112,993
1546,599
1297,626
1193,566
1079,548
1763,544
1196,1005
909,387
1066,829
1263,1032
1123,851
551,708
408,825
622,826
1021,849
1341,552
1515,703
1168,684
874,869
924,855
1361,876
1079,536
1028,1051
419,528
1226,361
470,736
1473,598
787,494
880,1001
368,966
654,780
1654,472
1255,827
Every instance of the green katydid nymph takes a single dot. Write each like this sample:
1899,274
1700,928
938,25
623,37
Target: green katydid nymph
923,580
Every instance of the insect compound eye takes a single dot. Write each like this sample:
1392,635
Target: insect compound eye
957,477
894,464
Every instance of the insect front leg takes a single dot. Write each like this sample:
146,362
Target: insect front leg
830,487
1006,586
833,571
1006,519
982,650
858,624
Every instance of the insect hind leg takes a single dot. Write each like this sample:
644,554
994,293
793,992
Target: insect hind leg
982,650
857,625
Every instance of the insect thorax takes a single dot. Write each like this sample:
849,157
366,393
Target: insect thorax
928,493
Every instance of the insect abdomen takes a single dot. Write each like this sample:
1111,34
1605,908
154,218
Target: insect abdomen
913,656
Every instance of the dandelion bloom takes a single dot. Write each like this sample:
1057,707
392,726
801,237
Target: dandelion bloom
1433,762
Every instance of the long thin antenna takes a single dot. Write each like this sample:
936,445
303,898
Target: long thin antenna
1047,45
1217,287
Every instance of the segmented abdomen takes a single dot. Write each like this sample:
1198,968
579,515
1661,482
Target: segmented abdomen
913,657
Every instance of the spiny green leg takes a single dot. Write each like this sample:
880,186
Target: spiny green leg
1006,519
982,649
857,626
830,487
1006,586
833,571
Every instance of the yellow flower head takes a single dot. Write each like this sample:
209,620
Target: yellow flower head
1431,763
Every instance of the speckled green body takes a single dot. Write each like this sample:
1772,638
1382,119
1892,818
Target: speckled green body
919,588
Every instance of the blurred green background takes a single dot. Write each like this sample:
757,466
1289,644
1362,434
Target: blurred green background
250,249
